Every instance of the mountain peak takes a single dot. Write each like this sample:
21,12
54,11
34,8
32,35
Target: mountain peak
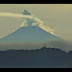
29,34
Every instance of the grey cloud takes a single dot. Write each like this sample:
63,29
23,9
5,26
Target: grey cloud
26,12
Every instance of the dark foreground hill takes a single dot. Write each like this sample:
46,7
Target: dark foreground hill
39,58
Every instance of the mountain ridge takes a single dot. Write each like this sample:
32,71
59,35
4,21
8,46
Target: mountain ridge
38,58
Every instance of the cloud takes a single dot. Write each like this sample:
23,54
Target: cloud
41,25
47,28
26,12
4,14
24,23
38,22
61,44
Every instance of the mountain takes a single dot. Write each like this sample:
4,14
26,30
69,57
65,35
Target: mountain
38,58
29,34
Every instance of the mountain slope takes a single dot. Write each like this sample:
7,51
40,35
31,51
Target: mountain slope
29,34
38,58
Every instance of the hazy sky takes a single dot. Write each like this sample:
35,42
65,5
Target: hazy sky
57,16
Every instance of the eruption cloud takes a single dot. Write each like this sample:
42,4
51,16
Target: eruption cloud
41,25
38,22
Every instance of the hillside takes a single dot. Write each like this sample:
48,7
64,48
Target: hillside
39,58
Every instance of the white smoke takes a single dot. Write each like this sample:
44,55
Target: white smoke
41,25
24,23
38,22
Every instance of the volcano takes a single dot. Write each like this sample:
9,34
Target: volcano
29,34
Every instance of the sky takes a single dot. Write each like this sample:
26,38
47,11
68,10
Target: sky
56,16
